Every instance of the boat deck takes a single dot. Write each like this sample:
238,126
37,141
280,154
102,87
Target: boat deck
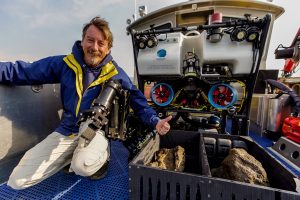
62,186
113,186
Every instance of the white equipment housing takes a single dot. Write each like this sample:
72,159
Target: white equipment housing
149,63
237,55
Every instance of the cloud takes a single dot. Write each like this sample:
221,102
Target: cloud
84,8
48,13
4,56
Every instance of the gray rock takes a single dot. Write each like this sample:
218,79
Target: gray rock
239,165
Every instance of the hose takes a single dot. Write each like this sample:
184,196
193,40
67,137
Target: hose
287,90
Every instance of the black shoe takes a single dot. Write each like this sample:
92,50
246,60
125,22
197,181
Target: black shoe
101,173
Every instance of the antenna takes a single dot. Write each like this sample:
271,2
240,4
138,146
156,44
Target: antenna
134,15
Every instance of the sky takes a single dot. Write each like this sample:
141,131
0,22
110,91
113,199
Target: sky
31,29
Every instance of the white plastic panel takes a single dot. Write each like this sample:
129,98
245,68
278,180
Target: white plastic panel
238,55
149,63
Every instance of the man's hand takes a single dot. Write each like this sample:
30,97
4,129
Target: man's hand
163,126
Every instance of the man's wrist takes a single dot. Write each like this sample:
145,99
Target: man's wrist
154,121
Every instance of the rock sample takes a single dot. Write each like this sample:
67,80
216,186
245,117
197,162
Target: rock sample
239,165
170,159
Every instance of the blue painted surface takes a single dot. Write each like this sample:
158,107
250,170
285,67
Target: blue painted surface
266,144
62,186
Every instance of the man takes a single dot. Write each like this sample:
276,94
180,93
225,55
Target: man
81,75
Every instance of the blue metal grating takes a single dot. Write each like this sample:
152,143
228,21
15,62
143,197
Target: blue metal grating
62,186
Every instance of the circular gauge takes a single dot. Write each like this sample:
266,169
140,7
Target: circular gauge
222,96
162,94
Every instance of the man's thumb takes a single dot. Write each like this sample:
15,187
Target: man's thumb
167,118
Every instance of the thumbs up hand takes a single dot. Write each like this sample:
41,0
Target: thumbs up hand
163,126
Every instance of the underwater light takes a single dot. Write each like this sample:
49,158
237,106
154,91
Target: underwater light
252,34
142,42
238,34
151,41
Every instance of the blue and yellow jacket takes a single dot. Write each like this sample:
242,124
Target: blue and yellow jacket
68,70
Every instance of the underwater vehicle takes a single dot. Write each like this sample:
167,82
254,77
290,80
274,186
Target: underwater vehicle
204,63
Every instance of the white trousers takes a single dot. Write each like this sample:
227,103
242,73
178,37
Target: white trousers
55,152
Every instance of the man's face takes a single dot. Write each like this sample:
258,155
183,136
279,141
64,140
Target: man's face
95,46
